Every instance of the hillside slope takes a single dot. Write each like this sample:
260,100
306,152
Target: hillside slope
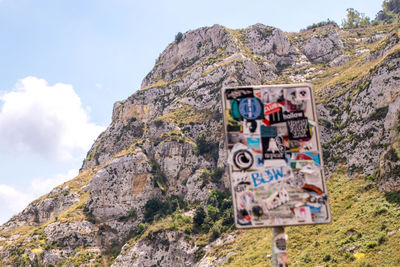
139,196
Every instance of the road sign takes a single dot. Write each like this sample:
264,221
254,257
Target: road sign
274,156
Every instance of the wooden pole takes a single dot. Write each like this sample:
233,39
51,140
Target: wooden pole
279,252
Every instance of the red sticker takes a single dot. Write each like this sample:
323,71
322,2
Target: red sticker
271,108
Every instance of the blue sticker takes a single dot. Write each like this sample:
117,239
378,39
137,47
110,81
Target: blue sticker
259,160
253,142
250,108
269,131
314,209
308,156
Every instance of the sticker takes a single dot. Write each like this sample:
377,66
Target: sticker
244,217
276,117
308,156
269,131
271,95
234,138
297,180
271,108
253,143
259,160
236,147
302,93
282,129
294,145
277,199
280,243
243,159
270,175
257,211
298,129
303,214
314,208
245,200
273,148
292,103
251,127
250,108
241,178
239,93
235,110
274,158
292,115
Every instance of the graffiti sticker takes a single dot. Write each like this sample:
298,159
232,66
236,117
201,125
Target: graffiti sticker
274,156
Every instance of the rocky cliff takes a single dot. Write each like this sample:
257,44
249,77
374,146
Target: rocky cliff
136,200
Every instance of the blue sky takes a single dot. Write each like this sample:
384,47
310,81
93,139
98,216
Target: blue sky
64,63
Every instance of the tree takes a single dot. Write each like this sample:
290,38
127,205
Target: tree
199,216
178,37
355,19
390,12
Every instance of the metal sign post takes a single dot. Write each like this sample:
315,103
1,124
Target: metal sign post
279,250
274,159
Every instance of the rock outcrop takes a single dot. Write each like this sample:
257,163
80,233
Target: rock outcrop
164,151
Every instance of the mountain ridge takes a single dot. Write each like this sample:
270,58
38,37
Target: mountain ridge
164,145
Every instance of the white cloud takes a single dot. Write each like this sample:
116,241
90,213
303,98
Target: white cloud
43,186
46,120
13,200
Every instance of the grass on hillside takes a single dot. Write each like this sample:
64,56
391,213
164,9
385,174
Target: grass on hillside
365,231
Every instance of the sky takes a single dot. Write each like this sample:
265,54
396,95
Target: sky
63,64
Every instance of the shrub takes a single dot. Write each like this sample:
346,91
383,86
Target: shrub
322,23
213,212
216,231
371,244
152,208
379,114
156,208
130,214
199,216
382,239
327,258
178,37
138,230
213,175
158,122
204,144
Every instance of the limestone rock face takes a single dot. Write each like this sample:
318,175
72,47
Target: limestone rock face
71,235
365,123
389,171
271,43
125,184
194,46
322,49
164,248
38,212
166,142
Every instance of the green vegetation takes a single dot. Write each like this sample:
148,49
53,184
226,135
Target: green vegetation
158,122
211,175
199,216
206,147
178,37
379,114
355,19
160,180
321,24
155,208
366,234
390,12
131,214
219,216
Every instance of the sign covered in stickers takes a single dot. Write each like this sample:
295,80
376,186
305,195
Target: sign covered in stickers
274,156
